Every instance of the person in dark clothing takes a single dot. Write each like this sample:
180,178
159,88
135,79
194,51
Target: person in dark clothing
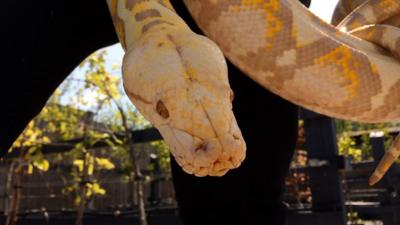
45,41
252,193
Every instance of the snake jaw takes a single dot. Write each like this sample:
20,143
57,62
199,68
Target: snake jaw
213,160
203,155
179,82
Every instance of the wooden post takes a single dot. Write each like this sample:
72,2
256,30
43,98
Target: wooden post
321,144
377,142
155,195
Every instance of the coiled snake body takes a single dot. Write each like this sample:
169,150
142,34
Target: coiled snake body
178,79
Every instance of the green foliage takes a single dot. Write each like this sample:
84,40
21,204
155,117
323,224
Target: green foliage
83,174
350,126
354,218
163,154
61,122
346,144
347,148
93,109
99,79
31,136
93,163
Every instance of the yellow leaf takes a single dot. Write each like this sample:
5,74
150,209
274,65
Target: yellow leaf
90,169
77,200
104,163
78,163
89,192
45,139
42,165
30,169
98,190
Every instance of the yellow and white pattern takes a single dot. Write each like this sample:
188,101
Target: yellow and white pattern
178,80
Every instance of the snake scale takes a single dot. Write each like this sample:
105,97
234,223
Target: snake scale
178,79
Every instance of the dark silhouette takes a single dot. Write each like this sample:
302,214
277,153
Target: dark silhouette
45,40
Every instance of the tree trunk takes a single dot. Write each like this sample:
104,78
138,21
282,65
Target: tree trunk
13,209
8,188
137,190
140,197
88,121
82,194
136,177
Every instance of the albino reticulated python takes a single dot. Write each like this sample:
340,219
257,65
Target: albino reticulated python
178,79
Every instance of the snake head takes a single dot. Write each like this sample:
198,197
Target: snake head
178,81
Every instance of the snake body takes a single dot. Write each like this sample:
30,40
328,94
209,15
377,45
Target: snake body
182,89
349,71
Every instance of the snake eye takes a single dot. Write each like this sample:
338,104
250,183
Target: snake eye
162,109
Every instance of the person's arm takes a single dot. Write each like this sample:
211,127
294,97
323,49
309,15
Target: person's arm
43,42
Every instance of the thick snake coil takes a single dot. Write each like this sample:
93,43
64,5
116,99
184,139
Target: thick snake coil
178,79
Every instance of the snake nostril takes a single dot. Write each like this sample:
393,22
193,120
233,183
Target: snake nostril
230,159
232,95
236,137
201,147
162,109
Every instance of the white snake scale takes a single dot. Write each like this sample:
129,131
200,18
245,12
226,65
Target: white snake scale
178,80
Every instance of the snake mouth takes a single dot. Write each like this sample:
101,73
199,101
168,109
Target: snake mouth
205,157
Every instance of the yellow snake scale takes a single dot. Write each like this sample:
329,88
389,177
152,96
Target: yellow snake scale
178,79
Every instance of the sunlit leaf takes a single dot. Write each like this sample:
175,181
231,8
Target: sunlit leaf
30,169
90,169
78,163
98,190
104,163
42,165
